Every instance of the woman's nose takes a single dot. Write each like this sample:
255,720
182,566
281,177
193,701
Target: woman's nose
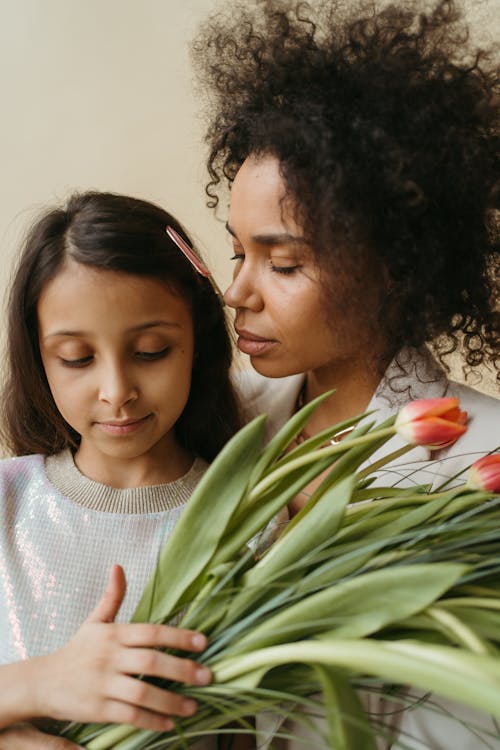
117,386
244,291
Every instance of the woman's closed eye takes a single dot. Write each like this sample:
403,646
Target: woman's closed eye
275,267
286,270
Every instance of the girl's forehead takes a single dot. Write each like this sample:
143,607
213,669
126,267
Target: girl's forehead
91,298
84,276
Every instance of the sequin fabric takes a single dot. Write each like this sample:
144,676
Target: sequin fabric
60,533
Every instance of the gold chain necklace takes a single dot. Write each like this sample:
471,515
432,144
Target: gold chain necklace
303,435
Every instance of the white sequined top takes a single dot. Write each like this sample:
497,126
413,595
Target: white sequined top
60,533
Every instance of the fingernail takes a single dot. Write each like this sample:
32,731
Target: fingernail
203,676
168,725
188,707
199,641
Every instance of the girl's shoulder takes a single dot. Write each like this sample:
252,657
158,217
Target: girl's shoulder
20,477
21,466
18,472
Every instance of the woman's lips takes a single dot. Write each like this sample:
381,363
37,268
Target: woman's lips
125,427
253,345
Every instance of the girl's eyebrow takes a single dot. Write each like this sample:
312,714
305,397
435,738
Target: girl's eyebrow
140,327
154,324
271,238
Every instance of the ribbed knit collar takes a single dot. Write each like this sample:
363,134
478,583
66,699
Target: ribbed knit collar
65,476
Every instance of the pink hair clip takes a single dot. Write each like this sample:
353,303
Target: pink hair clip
188,252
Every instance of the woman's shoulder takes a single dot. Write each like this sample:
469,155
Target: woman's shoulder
275,397
483,412
476,399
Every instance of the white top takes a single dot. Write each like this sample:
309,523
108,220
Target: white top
60,533
413,375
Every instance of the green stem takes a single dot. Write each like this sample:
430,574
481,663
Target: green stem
111,736
469,678
483,602
462,634
316,455
384,460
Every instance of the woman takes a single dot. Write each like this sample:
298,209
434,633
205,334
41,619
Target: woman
362,152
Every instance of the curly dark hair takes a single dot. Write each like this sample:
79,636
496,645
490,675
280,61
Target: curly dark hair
385,125
116,233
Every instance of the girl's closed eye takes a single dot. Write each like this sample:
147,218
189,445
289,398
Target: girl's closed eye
79,362
151,356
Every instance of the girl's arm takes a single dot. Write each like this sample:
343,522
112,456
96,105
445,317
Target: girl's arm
27,737
16,688
92,678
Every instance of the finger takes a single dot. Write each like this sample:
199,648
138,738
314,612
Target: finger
161,636
111,600
157,664
138,694
55,743
119,712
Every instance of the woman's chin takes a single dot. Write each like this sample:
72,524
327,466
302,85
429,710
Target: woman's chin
273,368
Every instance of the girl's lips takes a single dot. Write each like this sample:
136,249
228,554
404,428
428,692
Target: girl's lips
127,427
253,345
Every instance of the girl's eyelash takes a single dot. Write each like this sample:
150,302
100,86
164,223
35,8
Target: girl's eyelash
81,362
151,356
237,256
147,356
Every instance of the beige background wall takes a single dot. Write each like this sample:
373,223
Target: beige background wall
98,94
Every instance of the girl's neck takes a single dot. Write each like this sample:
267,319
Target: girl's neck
158,467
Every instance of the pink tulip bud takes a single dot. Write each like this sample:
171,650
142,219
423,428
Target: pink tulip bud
484,474
433,422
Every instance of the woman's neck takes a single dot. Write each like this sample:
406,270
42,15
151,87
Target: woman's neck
354,386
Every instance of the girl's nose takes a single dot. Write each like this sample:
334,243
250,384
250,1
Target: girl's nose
244,291
117,388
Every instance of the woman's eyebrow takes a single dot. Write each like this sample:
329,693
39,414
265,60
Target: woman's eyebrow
272,238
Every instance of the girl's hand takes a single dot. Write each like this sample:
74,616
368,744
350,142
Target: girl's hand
92,679
27,737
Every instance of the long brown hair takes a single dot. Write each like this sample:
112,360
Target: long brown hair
116,233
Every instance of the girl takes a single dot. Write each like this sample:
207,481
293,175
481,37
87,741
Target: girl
117,396
361,147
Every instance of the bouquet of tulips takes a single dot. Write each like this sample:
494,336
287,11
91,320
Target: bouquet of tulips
368,587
